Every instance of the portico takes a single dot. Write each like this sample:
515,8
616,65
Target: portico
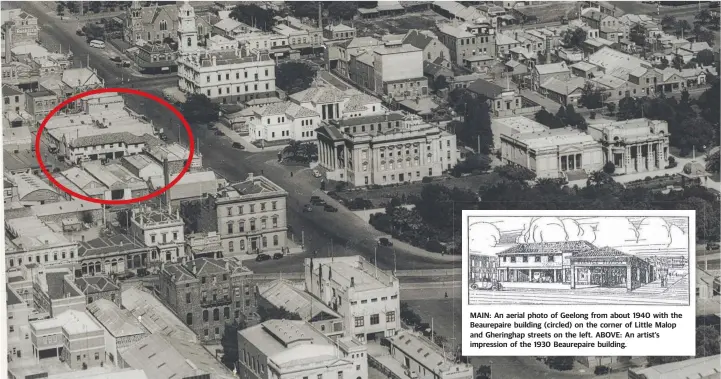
639,145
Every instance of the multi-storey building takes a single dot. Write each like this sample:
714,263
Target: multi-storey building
159,228
72,336
251,216
503,102
398,71
285,349
208,293
40,103
18,313
384,149
424,359
364,295
542,72
151,23
283,121
468,40
24,26
30,240
13,99
123,329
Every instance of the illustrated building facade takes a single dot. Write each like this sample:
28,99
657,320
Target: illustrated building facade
576,263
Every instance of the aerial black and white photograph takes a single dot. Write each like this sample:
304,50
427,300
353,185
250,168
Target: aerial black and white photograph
277,189
611,260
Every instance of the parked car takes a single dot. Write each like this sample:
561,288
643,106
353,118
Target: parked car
712,246
219,133
277,255
308,208
163,137
384,241
237,145
116,59
97,44
262,257
314,198
330,208
127,64
320,202
486,285
316,174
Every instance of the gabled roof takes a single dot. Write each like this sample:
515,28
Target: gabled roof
80,77
319,95
418,39
552,68
119,322
486,88
10,91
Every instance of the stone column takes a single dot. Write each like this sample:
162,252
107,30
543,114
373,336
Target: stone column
649,157
659,153
629,276
627,159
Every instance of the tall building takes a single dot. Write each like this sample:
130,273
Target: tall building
250,216
160,228
364,295
207,294
151,23
385,149
285,349
468,42
187,32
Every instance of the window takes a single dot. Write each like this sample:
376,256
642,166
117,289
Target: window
231,246
359,321
537,259
189,319
216,314
390,316
230,228
226,313
275,240
375,319
205,315
241,226
187,297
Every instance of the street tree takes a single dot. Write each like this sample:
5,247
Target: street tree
677,62
668,22
344,10
712,163
440,82
574,38
254,15
303,9
591,97
705,57
609,168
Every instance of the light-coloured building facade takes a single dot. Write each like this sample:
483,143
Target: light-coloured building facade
285,349
554,153
398,71
424,359
283,121
18,324
29,240
468,40
384,149
365,296
40,103
251,217
638,145
76,338
162,228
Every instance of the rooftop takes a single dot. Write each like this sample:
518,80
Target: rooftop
173,152
21,161
118,322
702,368
553,138
354,271
95,284
254,185
30,233
108,244
29,183
74,322
12,297
203,267
155,317
486,88
552,68
564,87
284,294
64,207
105,139
424,351
288,341
140,161
114,175
521,124
549,247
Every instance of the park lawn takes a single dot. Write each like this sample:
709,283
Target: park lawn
396,25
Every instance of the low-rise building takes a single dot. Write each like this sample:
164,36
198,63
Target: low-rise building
156,318
424,359
72,336
79,181
365,296
556,153
564,92
122,184
291,297
114,253
32,190
40,103
503,102
208,293
177,156
99,287
285,121
287,349
122,329
192,186
542,72
30,240
204,245
638,145
701,368
13,99
17,139
71,215
339,32
142,166
55,292
102,146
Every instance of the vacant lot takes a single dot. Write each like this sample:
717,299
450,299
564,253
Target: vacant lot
398,24
383,195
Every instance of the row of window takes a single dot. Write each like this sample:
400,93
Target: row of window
307,134
251,207
374,319
264,242
165,237
263,225
46,258
537,258
237,76
237,89
372,127
7,99
401,177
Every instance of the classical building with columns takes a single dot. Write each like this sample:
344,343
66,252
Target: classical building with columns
575,263
553,153
384,149
638,145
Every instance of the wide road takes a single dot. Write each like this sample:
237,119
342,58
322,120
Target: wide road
638,7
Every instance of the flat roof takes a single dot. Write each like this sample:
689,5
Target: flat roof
64,207
284,341
116,243
30,232
521,124
553,137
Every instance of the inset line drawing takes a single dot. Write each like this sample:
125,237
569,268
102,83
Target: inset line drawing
614,260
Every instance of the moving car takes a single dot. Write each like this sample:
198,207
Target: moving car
262,257
307,208
316,173
277,255
237,145
97,44
330,208
385,241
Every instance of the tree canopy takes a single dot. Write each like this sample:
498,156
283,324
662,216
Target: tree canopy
574,38
591,97
476,123
229,341
254,15
198,109
274,313
294,76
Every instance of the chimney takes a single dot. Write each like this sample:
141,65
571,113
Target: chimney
250,176
8,43
82,237
352,281
213,60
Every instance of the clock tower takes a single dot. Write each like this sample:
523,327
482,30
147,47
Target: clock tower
187,31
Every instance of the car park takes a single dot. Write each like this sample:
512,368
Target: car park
262,257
